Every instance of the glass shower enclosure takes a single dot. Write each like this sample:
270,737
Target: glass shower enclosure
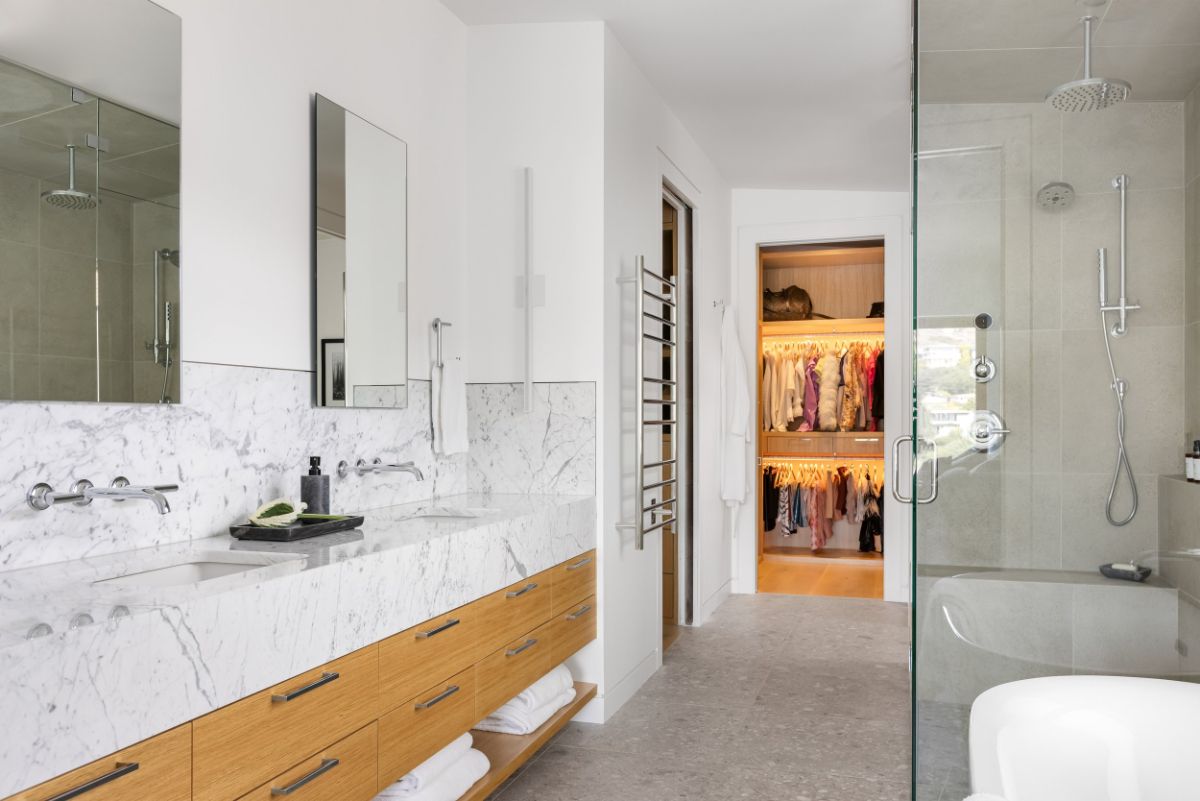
1030,173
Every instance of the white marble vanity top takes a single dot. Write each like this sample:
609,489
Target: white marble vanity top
158,654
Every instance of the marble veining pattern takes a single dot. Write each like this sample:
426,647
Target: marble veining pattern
549,450
77,695
244,436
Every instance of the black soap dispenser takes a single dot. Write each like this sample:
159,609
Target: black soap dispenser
314,488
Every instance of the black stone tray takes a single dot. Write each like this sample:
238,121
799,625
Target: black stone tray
300,530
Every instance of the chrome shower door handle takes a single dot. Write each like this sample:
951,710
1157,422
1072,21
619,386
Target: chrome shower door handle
896,468
933,481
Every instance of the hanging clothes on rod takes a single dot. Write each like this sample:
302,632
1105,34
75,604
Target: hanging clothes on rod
813,493
822,383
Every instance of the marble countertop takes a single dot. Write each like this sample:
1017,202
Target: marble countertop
143,659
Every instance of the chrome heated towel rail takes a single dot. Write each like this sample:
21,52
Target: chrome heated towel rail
657,307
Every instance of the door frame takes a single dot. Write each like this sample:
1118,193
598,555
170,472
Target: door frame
898,338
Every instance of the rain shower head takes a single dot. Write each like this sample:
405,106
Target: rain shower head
70,198
1088,93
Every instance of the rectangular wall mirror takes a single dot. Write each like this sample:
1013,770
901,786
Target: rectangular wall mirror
89,201
361,262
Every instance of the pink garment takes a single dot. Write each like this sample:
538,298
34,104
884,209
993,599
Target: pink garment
812,386
821,526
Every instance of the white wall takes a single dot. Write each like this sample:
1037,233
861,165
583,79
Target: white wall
763,215
249,70
535,99
645,143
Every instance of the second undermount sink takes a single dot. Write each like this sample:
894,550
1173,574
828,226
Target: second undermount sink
206,566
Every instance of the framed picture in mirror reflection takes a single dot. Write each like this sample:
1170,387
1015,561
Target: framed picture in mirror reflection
333,372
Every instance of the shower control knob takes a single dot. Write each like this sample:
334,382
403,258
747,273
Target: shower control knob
984,369
985,430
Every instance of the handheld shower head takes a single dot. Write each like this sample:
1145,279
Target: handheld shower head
1088,93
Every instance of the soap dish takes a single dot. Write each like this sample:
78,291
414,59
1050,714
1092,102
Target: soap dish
300,530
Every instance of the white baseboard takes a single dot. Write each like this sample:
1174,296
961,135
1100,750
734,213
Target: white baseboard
606,703
701,614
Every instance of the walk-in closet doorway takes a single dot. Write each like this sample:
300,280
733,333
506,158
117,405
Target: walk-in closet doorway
813,298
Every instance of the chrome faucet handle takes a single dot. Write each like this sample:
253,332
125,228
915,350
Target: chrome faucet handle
41,496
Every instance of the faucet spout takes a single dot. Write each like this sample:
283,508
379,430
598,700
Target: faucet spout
122,490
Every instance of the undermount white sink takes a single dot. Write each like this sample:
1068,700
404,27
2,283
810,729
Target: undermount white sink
205,566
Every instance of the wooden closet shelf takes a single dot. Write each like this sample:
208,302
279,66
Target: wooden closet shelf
508,752
872,326
872,435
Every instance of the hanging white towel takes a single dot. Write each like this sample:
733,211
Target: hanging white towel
735,413
449,408
514,719
450,786
432,769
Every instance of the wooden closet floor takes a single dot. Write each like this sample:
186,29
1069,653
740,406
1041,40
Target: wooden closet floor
857,578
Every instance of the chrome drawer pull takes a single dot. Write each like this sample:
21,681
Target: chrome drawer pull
325,766
437,699
307,688
123,769
583,610
530,587
514,651
449,624
585,560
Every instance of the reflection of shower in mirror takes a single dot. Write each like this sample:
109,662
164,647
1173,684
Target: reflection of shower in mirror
163,312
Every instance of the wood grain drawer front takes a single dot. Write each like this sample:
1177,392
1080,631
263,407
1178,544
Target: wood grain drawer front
573,629
245,744
514,610
514,667
574,580
345,771
418,658
860,443
425,725
159,768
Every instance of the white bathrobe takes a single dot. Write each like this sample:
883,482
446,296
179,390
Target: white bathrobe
736,425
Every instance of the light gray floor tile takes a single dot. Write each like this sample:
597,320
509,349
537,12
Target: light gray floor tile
778,698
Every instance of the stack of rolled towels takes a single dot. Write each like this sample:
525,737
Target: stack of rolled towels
445,776
533,707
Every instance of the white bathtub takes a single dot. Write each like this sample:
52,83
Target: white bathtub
1087,738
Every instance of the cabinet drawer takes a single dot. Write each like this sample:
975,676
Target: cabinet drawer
574,580
573,629
421,727
860,443
345,771
418,658
514,667
158,768
513,611
245,744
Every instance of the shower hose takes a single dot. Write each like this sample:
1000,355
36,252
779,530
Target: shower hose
1118,388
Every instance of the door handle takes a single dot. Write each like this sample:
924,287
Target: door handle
896,468
933,479
933,482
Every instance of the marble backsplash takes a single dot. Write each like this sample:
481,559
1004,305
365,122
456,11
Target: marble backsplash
244,436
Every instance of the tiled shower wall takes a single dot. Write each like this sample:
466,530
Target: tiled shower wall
1041,503
50,260
243,436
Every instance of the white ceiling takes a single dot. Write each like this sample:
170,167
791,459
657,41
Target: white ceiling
982,51
804,94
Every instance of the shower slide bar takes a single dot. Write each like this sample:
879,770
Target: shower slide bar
662,512
1123,306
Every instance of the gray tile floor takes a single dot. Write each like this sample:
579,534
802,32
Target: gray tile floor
778,698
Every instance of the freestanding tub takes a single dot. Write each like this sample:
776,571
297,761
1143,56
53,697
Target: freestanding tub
1087,738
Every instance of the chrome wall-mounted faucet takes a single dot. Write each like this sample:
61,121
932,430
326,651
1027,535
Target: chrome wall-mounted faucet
42,496
378,466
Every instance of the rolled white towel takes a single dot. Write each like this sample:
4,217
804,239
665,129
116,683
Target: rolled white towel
544,690
428,771
450,786
514,719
